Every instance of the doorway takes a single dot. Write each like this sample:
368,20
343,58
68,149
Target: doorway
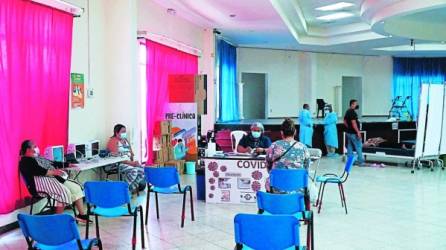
254,95
351,89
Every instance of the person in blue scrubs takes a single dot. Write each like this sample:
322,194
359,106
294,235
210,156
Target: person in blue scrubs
331,132
180,150
306,126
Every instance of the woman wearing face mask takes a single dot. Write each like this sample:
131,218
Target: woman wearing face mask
255,142
131,170
41,177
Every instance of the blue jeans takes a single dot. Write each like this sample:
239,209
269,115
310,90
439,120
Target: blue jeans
354,141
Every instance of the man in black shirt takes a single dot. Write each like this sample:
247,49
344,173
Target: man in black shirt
353,134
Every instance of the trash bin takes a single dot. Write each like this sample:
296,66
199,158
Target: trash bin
201,187
190,167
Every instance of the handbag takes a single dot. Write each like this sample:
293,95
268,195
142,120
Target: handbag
270,162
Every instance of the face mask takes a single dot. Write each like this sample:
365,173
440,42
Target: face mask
357,107
36,151
123,135
256,134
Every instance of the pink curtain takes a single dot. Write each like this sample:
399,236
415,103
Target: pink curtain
35,57
162,61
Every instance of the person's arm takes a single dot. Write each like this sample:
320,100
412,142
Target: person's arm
266,145
355,127
130,149
243,146
112,146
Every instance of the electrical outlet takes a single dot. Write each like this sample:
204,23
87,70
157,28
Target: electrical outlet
90,93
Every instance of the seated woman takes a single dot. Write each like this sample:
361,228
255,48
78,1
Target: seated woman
41,177
254,142
287,153
132,171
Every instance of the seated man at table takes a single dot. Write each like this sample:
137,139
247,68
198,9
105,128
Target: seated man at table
255,141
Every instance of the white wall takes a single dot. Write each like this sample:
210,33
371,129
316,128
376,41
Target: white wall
296,78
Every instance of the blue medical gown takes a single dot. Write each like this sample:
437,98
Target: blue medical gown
330,130
306,128
179,152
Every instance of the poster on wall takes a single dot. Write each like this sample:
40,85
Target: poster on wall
77,91
184,130
234,180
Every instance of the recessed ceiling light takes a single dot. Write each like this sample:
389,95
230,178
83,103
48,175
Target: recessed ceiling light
390,36
335,16
336,6
232,15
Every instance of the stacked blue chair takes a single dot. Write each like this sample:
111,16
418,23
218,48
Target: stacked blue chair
166,180
266,232
335,179
111,199
53,232
290,181
287,204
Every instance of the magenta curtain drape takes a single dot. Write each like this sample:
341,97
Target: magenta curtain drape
162,61
35,58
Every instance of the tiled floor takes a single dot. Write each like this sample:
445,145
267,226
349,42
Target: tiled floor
389,208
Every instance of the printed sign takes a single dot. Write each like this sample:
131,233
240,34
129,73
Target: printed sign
77,91
233,180
184,130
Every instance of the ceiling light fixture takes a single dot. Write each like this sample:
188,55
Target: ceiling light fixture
335,16
336,6
232,15
171,11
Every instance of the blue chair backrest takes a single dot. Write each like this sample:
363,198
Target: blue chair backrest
107,194
51,230
266,231
289,180
162,177
281,203
349,163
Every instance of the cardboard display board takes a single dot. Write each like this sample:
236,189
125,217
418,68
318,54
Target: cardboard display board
234,180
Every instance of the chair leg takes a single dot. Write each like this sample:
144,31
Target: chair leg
88,224
312,231
147,206
183,212
134,231
142,226
191,205
99,244
322,197
31,208
157,207
96,221
74,209
343,196
319,194
340,194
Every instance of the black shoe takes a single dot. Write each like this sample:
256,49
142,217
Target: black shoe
83,218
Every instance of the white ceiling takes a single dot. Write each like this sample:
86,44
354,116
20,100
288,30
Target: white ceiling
378,27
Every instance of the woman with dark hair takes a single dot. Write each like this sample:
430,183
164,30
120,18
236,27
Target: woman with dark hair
132,171
287,153
41,176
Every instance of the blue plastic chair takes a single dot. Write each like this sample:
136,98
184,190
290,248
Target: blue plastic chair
111,199
334,178
289,181
166,180
266,232
57,231
287,204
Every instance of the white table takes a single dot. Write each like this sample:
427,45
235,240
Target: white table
94,163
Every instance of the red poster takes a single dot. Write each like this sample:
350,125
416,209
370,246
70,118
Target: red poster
181,88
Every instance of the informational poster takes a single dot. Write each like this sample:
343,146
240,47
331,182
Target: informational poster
184,129
77,91
234,180
181,88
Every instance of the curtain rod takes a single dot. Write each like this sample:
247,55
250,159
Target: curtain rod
76,11
169,42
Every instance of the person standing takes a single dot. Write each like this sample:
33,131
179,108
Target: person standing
306,126
353,134
331,132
